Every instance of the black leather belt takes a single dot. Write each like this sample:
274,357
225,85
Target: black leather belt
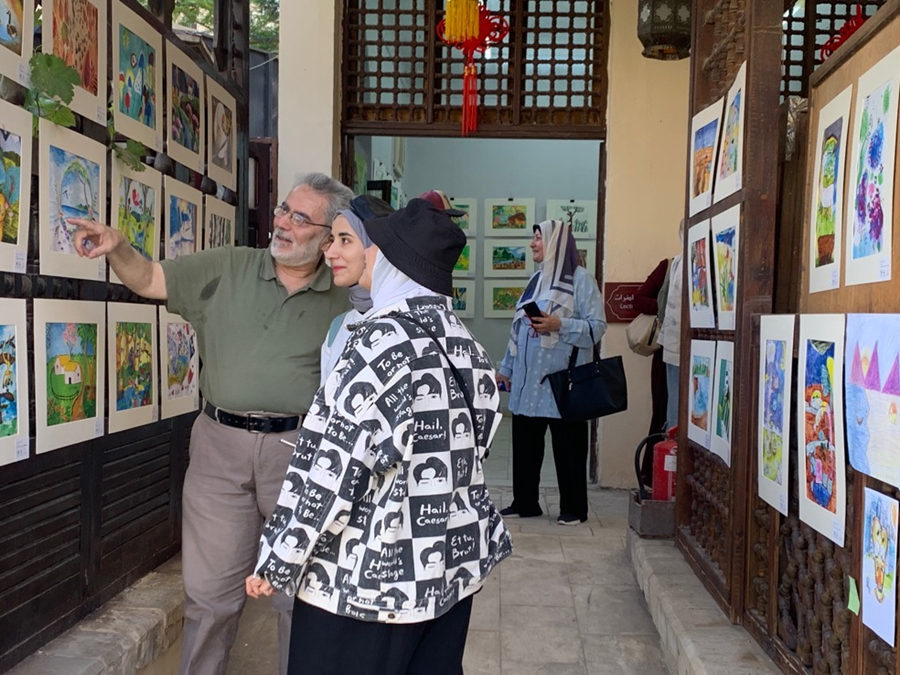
253,422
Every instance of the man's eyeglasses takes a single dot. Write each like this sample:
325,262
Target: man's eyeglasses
297,218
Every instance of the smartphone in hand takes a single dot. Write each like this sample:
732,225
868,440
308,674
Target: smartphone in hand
532,310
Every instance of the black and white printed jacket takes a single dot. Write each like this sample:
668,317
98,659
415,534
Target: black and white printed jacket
384,515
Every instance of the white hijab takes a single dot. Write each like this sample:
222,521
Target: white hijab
390,286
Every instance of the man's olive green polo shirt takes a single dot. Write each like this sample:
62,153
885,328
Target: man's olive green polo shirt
259,345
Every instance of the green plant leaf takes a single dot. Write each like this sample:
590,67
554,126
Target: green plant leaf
52,77
61,115
130,153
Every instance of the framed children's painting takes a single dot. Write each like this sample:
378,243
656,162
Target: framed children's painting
468,223
219,229
726,234
700,391
700,289
878,567
580,214
137,77
72,185
731,151
179,365
820,434
222,164
776,348
501,296
14,357
826,216
587,255
463,298
183,208
723,393
507,258
465,265
508,217
136,209
16,39
75,31
870,203
69,371
15,186
184,104
872,395
705,126
131,342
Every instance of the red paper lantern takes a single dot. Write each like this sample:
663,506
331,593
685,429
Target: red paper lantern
489,30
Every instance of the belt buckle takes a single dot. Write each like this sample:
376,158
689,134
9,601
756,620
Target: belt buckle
256,415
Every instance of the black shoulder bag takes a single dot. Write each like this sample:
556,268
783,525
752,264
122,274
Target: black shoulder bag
592,390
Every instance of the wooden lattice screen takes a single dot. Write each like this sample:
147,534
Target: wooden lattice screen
547,78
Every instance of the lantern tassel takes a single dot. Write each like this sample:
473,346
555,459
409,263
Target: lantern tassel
470,99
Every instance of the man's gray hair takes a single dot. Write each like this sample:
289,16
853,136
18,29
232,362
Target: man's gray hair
337,194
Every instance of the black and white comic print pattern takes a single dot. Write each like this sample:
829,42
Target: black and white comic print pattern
384,515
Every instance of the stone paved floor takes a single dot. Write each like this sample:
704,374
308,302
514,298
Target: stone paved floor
565,602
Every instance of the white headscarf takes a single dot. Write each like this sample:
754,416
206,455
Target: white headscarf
390,286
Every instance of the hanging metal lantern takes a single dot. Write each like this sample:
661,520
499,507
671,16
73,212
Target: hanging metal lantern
664,28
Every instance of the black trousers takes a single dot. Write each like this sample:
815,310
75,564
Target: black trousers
570,441
323,643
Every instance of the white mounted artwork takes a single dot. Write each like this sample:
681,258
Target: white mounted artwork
131,344
15,186
69,371
723,394
730,160
726,236
185,107
14,362
826,214
72,183
218,227
136,209
509,217
580,214
700,286
184,206
222,135
16,39
507,258
463,298
705,128
465,264
776,349
700,391
178,366
76,32
469,222
501,296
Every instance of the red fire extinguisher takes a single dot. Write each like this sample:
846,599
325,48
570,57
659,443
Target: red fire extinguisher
664,466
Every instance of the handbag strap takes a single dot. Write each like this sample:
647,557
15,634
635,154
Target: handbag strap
573,358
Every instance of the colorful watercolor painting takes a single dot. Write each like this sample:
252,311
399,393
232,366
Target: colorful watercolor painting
465,264
467,222
181,365
700,290
579,214
509,217
134,364
872,395
705,130
136,217
701,372
731,147
12,25
820,434
879,564
10,184
71,372
136,78
776,345
463,298
720,442
222,152
185,110
507,257
827,207
183,220
75,39
9,393
725,236
74,193
500,298
705,139
871,191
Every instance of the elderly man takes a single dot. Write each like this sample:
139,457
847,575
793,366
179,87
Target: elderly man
260,317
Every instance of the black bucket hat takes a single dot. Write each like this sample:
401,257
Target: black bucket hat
421,241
